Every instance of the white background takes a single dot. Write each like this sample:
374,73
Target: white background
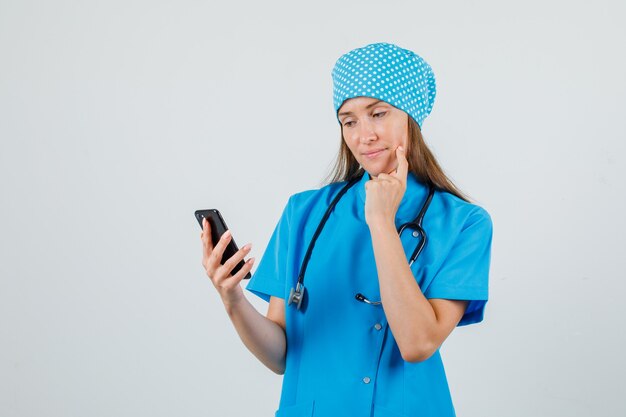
119,119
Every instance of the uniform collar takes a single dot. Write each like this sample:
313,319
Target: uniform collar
412,201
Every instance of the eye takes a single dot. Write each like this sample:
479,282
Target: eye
381,114
348,124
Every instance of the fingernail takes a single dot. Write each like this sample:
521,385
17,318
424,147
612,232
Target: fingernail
401,148
227,233
248,246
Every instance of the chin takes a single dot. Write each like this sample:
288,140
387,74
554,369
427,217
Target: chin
375,170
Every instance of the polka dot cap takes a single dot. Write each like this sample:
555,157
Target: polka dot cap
387,72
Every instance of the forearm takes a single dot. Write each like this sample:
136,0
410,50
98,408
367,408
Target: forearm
411,317
263,337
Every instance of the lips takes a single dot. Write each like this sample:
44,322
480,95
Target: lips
374,153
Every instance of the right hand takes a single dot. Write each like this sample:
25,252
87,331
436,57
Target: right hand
226,284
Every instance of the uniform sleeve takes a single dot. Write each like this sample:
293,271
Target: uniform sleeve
269,277
464,275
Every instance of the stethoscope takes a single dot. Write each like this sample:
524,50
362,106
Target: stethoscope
296,294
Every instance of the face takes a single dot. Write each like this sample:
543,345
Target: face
372,130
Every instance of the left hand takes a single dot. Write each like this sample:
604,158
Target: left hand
384,193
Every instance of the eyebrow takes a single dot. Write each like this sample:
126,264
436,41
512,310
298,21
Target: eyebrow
343,113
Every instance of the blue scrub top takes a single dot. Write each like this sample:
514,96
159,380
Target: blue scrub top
342,358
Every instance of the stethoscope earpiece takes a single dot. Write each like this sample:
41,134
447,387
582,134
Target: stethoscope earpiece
362,298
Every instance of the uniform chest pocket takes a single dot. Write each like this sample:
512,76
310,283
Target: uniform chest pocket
304,409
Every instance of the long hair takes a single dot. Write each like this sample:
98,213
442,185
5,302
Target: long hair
422,163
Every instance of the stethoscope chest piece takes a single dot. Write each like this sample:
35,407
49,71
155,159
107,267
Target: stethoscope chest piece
296,295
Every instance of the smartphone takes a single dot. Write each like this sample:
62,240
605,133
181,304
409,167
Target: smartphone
218,227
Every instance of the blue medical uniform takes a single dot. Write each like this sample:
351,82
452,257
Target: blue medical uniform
342,358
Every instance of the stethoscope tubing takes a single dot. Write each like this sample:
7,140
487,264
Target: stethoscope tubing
320,226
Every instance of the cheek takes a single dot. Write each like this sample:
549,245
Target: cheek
401,137
399,130
355,154
350,144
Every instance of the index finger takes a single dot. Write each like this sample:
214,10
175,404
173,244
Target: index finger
403,165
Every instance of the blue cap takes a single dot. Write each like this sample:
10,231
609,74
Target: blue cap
387,72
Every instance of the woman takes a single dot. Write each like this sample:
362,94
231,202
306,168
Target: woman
360,336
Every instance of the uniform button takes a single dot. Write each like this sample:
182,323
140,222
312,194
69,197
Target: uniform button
377,326
416,233
366,379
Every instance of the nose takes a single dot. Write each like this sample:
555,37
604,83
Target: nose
366,132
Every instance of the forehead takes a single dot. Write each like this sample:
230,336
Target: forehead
358,103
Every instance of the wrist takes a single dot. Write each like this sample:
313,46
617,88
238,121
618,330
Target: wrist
231,304
381,225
